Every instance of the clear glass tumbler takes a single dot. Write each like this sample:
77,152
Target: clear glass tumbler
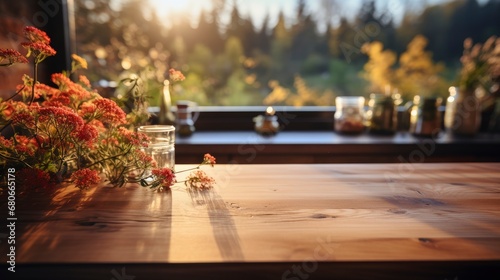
161,144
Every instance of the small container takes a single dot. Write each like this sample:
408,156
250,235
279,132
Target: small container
462,116
161,145
381,116
349,114
268,124
425,118
186,116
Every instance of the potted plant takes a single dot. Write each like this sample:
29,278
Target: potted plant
477,89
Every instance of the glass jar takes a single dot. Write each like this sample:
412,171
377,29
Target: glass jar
463,113
349,114
161,144
381,116
425,118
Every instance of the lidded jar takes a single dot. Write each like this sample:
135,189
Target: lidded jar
381,116
425,117
349,114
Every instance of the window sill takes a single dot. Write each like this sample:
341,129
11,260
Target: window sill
248,147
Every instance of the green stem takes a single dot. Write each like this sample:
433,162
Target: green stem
109,158
189,169
35,79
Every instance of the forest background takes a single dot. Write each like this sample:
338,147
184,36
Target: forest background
304,59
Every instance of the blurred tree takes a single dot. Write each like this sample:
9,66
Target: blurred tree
378,70
417,73
342,39
207,32
263,38
235,26
433,24
322,46
280,49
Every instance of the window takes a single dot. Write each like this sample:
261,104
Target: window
281,52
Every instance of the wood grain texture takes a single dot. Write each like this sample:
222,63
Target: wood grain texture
274,213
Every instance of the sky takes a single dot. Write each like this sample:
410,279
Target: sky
258,9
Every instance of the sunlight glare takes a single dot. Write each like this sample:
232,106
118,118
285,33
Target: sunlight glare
166,7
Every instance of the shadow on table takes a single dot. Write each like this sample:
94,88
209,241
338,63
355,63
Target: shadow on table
222,223
56,224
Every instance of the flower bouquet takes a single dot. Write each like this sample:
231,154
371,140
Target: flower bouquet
69,133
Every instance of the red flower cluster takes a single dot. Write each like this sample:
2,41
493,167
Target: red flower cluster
209,159
70,131
165,175
12,56
145,158
87,134
38,44
133,138
84,178
39,48
33,34
33,178
25,145
109,112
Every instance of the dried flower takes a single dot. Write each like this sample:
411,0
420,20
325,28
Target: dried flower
199,180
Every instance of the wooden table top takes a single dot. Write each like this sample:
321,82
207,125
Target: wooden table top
317,213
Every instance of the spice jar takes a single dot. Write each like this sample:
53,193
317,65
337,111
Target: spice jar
381,116
425,118
349,114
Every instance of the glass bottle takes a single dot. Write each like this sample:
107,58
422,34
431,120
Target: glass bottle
348,117
166,117
381,116
425,118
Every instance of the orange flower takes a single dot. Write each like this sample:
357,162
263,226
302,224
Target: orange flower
80,61
209,159
199,180
175,75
